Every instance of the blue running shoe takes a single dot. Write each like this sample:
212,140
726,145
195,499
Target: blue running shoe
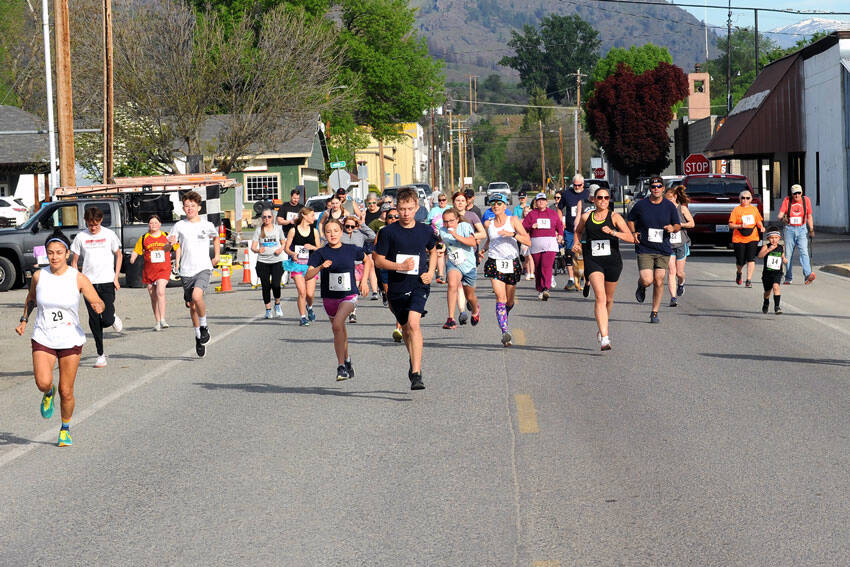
310,315
304,322
64,437
47,403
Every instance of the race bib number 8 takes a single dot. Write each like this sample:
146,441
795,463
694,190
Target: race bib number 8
774,262
656,235
676,237
544,223
157,256
339,282
600,247
505,266
402,258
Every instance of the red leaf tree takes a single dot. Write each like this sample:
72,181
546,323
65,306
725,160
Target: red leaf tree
628,116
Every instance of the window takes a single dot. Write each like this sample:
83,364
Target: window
62,216
107,214
261,187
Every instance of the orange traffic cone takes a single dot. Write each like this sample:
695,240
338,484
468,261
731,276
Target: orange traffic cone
222,235
225,279
246,269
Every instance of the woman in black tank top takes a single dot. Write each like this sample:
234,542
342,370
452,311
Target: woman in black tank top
298,247
601,230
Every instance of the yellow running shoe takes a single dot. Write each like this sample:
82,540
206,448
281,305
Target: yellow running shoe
47,403
64,437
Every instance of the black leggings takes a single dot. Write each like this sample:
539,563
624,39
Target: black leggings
98,321
270,275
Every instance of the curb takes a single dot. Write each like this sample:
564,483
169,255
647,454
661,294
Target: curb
837,269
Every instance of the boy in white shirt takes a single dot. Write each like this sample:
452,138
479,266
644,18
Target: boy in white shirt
100,249
194,266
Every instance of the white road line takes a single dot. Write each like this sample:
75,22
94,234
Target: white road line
83,415
831,325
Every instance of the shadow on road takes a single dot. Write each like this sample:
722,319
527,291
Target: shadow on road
9,439
774,358
265,388
750,314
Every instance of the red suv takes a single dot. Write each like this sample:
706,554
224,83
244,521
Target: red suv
712,198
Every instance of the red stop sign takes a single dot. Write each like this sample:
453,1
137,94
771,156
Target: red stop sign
695,164
598,173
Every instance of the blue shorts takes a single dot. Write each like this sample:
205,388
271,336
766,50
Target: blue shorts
467,278
402,305
569,237
682,252
383,276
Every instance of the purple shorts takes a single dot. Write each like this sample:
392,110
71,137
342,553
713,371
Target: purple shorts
332,304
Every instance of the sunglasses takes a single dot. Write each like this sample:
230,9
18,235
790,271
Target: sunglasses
392,216
266,217
746,198
441,200
350,226
371,202
796,193
603,197
578,184
656,186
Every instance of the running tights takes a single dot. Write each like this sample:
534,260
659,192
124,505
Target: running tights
543,264
98,321
270,275
502,316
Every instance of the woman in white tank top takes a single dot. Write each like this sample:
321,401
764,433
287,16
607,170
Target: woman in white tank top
57,334
503,268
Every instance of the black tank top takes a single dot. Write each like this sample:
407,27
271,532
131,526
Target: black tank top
299,240
593,231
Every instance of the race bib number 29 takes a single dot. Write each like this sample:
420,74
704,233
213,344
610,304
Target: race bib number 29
56,318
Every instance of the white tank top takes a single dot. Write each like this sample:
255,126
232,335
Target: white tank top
57,323
501,247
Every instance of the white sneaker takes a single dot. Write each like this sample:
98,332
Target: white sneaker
529,276
100,362
118,325
605,343
277,311
540,296
158,326
163,324
554,283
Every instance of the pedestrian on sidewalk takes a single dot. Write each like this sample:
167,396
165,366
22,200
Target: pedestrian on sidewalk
796,212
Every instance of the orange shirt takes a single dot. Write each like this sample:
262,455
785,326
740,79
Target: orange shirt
750,217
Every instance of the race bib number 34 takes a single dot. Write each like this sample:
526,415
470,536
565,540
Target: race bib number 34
600,247
774,262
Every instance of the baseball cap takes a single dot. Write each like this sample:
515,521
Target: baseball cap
796,189
521,194
541,195
386,207
340,191
498,197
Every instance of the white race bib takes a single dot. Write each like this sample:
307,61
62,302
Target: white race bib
747,220
600,247
656,235
339,281
402,258
544,223
454,256
796,221
55,318
505,266
301,253
291,216
773,262
157,256
676,237
573,210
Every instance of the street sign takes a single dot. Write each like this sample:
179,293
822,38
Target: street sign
339,178
337,164
696,164
598,173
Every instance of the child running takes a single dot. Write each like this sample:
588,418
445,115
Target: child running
155,250
301,240
193,260
335,261
771,276
459,238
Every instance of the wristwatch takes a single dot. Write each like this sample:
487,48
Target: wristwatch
24,319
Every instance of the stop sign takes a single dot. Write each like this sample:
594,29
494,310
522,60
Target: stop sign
696,163
598,173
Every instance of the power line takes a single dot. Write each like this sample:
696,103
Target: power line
517,105
714,6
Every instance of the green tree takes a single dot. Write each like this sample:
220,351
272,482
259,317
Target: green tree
743,66
639,60
548,57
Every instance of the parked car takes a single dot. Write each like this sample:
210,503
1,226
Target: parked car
419,188
14,211
499,187
318,202
712,198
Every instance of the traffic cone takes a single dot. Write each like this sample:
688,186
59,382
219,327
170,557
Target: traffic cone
246,269
222,235
225,279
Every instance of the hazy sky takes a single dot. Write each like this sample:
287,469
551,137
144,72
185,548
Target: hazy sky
767,21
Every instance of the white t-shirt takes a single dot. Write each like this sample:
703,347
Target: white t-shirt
194,238
98,254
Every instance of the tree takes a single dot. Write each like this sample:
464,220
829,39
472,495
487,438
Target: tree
628,116
638,59
549,56
743,66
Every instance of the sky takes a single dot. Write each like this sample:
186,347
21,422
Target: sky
767,21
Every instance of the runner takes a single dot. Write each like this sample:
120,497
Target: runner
546,229
334,211
156,252
744,221
502,266
288,212
651,221
194,265
460,202
403,248
373,209
358,235
599,233
100,250
680,242
268,243
57,333
798,216
435,219
459,238
771,275
572,204
301,240
336,263
469,193
520,211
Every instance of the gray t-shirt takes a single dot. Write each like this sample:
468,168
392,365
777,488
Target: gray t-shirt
269,242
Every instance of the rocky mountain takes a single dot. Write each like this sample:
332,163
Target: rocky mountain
472,36
786,36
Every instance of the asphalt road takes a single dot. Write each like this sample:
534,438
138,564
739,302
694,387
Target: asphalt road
717,437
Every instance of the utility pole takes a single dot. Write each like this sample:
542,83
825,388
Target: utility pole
64,101
542,157
451,154
729,60
432,153
578,110
756,16
108,96
575,141
562,182
51,123
381,164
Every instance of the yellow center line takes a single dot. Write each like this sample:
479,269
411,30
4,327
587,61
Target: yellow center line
526,414
518,336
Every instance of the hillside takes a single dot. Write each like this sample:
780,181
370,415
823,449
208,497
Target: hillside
471,36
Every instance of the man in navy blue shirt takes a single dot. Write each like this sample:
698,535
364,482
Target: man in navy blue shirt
407,250
572,203
651,221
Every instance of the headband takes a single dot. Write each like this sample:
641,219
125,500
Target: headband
772,233
55,239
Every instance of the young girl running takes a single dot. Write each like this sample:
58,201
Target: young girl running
335,261
459,238
268,243
154,248
55,292
503,266
302,239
